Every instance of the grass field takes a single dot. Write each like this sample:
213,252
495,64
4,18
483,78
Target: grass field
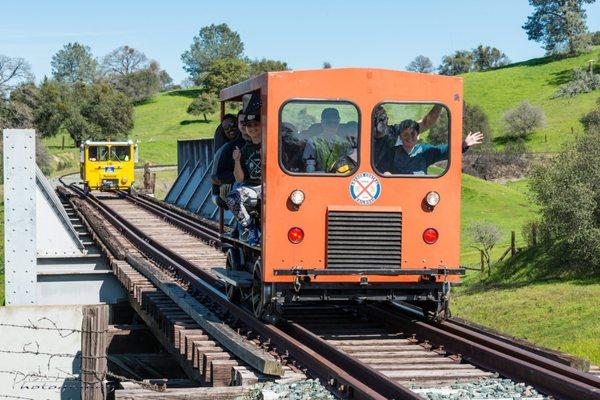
561,315
535,80
505,205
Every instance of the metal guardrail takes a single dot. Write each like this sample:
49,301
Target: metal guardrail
192,188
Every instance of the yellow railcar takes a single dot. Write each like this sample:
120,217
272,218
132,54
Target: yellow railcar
108,165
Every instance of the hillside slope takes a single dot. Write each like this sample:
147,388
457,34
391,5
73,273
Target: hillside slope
535,80
162,120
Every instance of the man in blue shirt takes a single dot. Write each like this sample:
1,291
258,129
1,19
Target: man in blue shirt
396,148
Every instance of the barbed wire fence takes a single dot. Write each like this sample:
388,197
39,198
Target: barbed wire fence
32,348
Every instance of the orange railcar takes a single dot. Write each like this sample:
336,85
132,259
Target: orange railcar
372,245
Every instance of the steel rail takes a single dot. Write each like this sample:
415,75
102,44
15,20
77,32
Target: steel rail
362,383
548,376
183,222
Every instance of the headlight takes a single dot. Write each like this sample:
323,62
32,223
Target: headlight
432,199
297,197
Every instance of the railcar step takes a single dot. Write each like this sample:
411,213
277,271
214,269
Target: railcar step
236,278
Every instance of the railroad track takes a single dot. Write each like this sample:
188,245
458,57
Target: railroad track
358,352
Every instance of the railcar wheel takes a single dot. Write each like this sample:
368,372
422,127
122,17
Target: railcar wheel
232,263
257,297
436,310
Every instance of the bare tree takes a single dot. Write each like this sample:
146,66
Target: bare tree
420,64
484,236
124,60
12,72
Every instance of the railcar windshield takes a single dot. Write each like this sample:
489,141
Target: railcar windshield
120,153
410,139
319,137
98,153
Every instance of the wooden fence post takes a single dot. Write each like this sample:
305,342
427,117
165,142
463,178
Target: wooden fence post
63,143
513,248
93,352
534,234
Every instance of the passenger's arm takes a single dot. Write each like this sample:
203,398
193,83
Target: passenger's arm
238,171
436,153
430,119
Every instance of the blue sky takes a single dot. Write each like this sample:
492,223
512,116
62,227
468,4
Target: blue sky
387,34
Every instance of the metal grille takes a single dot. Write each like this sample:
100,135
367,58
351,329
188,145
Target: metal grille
364,240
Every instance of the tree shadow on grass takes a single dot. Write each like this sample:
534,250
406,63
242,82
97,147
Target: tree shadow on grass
561,77
508,140
535,61
188,93
544,263
194,121
149,100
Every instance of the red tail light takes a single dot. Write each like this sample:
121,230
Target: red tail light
430,236
295,235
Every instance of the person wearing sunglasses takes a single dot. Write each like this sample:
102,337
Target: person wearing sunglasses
226,130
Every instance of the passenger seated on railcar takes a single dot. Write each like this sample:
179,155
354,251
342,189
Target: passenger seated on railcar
292,148
222,172
397,149
119,153
248,176
224,131
98,153
331,146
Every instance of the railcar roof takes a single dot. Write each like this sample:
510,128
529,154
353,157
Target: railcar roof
91,143
235,92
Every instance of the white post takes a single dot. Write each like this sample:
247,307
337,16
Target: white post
19,216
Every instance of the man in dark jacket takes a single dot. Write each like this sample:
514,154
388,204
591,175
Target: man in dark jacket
223,164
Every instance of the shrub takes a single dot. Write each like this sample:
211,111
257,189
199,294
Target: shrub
42,158
530,232
591,121
474,120
582,81
595,38
522,120
567,189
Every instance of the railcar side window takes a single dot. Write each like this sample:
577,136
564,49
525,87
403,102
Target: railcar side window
410,139
98,153
119,153
319,137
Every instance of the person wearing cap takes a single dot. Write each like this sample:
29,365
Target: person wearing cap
325,148
222,171
247,172
397,151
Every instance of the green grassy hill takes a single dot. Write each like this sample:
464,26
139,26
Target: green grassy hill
535,80
160,121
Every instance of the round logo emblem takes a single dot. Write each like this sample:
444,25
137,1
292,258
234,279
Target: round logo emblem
365,188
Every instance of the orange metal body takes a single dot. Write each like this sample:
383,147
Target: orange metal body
365,88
